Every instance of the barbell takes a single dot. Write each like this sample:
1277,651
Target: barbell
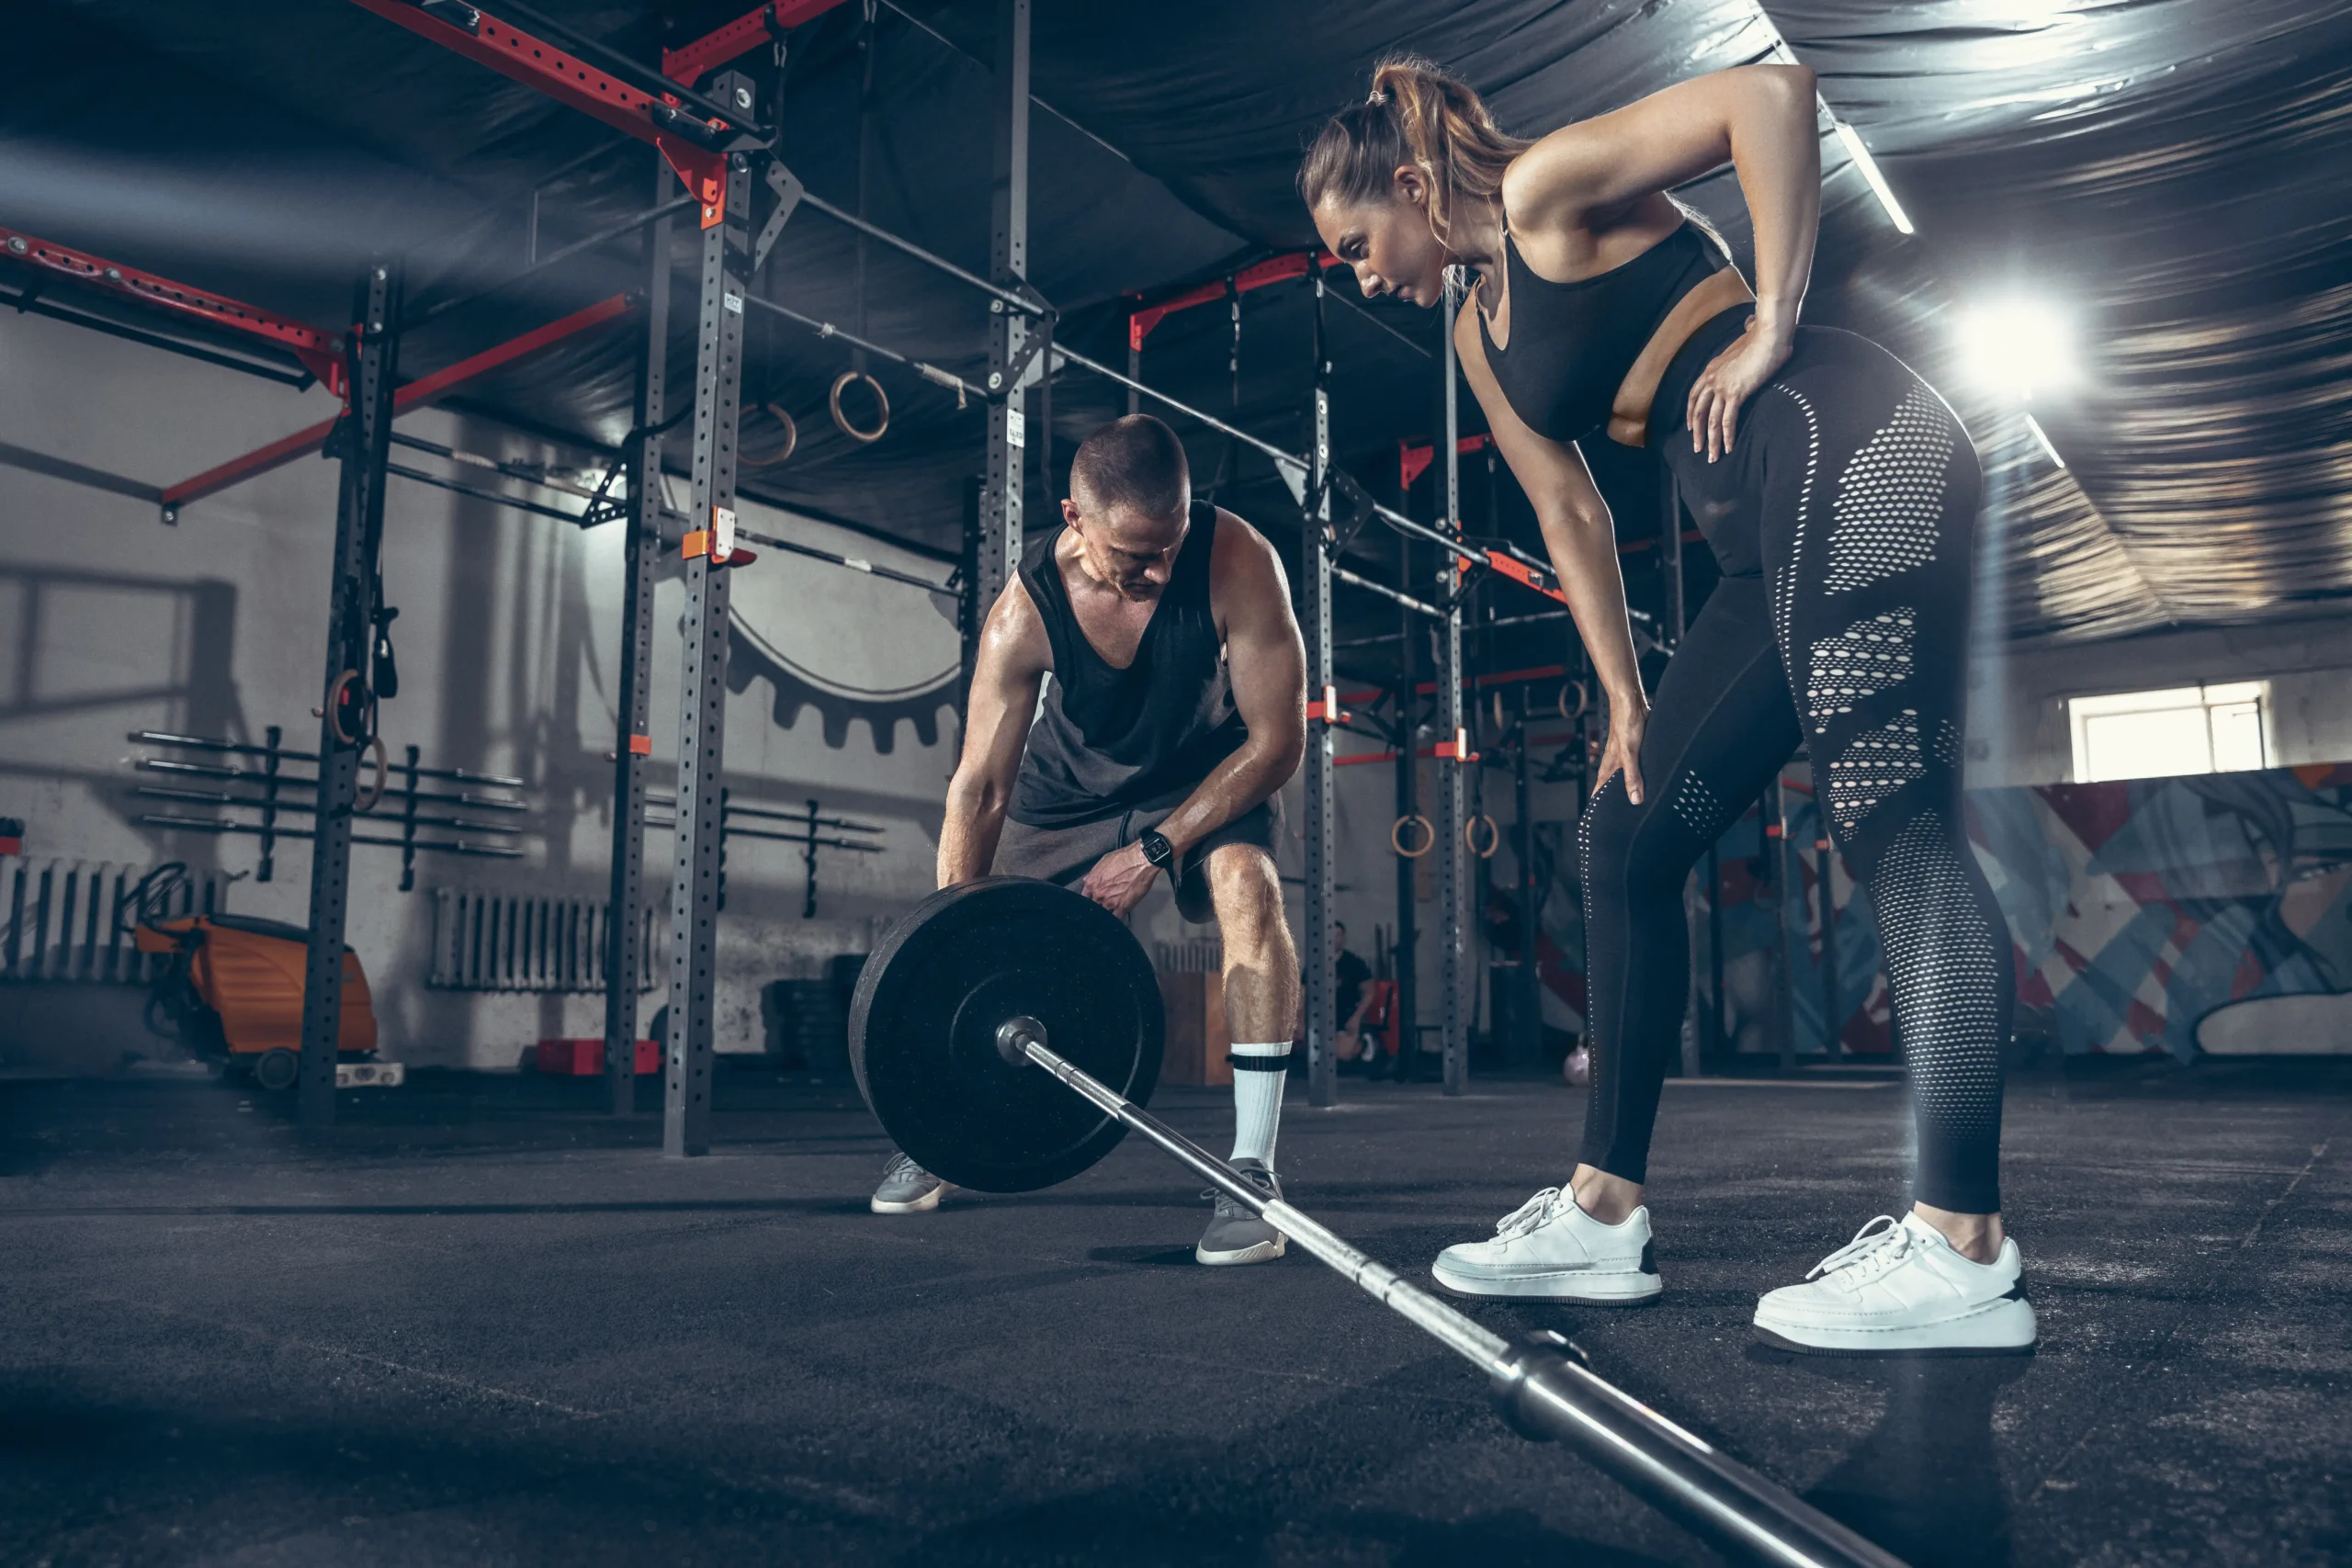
1007,1033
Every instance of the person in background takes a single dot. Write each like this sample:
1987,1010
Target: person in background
1352,995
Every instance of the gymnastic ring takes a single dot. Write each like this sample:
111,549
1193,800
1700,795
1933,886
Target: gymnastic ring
333,712
791,441
863,437
383,775
1500,723
1584,700
1396,835
1470,836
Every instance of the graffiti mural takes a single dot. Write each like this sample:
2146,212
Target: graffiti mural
2209,914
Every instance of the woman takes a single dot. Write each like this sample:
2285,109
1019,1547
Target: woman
1839,495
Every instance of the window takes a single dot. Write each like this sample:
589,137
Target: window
2186,729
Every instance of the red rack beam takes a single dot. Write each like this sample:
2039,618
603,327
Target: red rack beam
689,65
1518,570
1412,462
320,353
417,393
545,68
1274,269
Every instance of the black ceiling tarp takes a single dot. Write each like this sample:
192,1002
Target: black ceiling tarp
2172,171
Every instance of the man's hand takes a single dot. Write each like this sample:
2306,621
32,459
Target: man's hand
1120,879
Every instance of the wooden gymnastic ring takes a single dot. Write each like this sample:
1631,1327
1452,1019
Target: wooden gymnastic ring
791,441
863,437
1470,836
1396,835
383,775
1501,724
1584,700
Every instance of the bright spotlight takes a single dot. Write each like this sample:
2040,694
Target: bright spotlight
2017,348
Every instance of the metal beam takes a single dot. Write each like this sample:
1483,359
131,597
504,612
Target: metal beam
416,394
633,746
1453,780
1314,601
1002,487
624,96
346,722
320,353
1408,792
726,272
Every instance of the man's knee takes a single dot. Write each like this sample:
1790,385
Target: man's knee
1248,894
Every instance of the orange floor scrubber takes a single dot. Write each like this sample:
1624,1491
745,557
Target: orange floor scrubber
232,991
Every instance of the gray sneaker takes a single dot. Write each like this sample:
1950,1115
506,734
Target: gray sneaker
907,1188
1235,1234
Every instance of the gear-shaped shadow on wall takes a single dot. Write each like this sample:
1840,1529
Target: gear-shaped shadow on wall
748,661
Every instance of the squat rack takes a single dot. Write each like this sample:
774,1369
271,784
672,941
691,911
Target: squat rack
730,164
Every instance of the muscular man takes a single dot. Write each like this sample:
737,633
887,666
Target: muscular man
1176,708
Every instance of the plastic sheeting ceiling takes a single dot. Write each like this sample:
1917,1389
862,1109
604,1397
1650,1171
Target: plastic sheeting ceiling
2172,173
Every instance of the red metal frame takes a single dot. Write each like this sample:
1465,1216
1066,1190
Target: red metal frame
1518,570
1274,269
545,68
689,65
1412,462
278,454
320,353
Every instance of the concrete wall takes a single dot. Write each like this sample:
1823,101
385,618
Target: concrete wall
507,637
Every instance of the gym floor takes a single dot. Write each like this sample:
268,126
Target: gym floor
485,1325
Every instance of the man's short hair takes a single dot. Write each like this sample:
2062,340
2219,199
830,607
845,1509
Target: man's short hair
1135,463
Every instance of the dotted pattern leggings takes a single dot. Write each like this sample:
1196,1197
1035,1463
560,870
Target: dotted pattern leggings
1844,519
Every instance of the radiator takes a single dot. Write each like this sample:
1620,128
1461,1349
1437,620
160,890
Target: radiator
56,920
1203,955
486,940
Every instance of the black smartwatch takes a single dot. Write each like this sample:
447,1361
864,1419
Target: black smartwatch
1156,848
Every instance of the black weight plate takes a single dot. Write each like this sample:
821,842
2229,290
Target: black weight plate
922,1030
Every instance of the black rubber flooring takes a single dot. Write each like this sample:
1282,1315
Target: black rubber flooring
481,1324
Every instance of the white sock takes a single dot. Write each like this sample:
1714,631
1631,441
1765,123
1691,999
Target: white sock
1259,1074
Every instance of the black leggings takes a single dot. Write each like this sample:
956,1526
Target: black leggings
1843,519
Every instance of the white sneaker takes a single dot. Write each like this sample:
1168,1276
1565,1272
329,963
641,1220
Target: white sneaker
1548,1249
1900,1288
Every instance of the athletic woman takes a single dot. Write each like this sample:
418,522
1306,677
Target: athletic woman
1838,493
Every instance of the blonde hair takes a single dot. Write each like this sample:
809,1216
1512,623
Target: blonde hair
1421,114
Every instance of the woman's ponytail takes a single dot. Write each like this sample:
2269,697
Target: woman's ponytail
1420,114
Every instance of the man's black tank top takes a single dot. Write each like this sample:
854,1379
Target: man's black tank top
1572,345
1108,740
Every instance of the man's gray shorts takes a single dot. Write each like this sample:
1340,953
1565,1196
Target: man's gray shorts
1067,855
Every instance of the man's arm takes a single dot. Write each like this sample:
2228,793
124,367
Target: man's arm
1266,661
1013,658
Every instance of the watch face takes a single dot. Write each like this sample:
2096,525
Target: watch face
1156,848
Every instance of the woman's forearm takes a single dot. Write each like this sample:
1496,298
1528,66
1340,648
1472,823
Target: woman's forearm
1776,153
1584,555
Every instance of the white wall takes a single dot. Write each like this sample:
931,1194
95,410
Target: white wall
2018,722
111,622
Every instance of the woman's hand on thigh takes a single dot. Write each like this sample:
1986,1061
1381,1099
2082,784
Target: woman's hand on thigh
1622,753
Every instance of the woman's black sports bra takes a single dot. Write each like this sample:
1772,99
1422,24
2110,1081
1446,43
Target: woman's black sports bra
1572,345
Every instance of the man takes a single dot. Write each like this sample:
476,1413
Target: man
1352,998
1176,708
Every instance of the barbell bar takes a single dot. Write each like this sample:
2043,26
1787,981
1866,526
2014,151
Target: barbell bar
1541,1390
